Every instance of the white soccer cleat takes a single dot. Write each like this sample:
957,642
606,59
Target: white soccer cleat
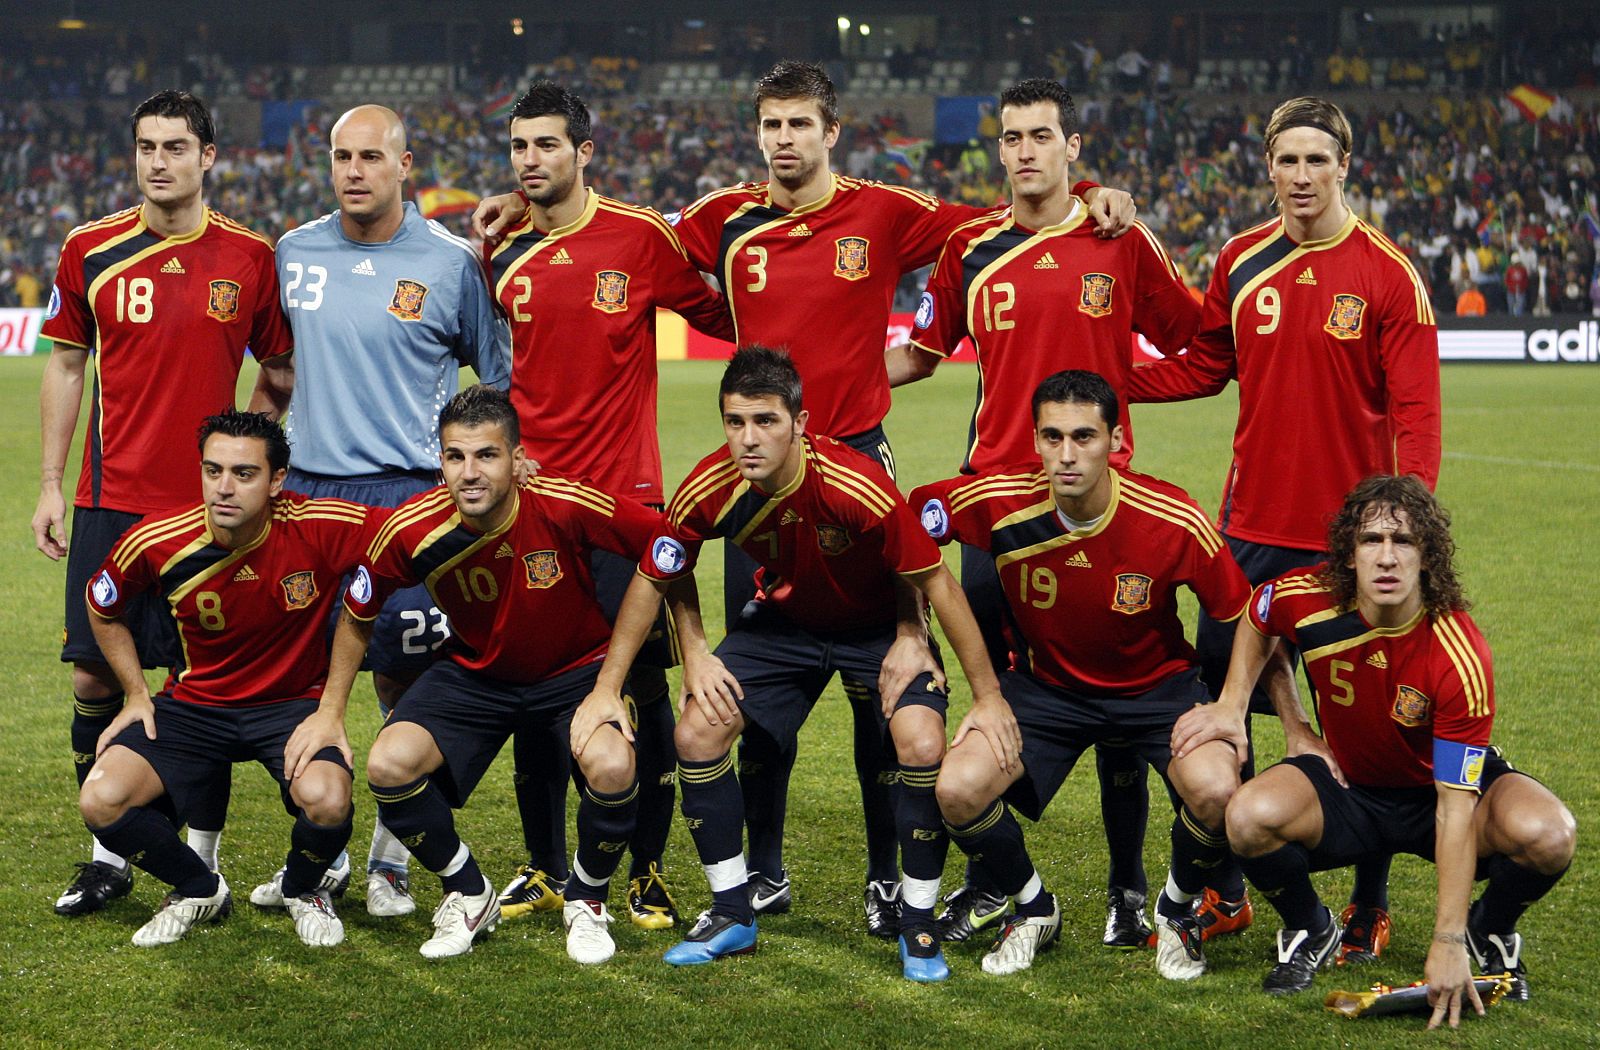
333,883
588,940
178,915
314,920
1021,938
459,920
389,894
1180,955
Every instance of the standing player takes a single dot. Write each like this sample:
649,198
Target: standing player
1091,559
580,280
1405,699
250,577
165,296
386,307
498,559
1331,336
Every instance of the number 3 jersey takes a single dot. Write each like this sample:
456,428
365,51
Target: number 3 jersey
521,598
167,320
253,621
1097,606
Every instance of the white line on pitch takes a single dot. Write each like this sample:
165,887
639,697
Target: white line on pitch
1588,468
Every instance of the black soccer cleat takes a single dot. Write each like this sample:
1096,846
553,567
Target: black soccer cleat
1300,955
1497,953
1126,927
883,909
770,896
96,885
968,910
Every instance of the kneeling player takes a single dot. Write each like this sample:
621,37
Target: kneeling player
1090,559
250,577
1405,698
841,561
510,567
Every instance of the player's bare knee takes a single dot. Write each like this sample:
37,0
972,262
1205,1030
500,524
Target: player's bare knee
608,761
322,795
1253,820
1547,837
918,744
961,795
696,739
102,800
389,765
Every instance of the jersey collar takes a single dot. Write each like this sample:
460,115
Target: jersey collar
1325,243
816,205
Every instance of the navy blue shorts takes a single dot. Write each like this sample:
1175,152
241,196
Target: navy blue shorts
784,668
1058,725
470,716
410,629
155,633
196,746
1213,641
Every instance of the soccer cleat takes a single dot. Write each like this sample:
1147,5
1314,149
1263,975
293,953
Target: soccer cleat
1218,917
1180,947
1125,924
530,890
883,909
968,910
1021,938
712,937
1500,953
1366,934
1300,956
921,958
333,883
314,919
588,940
459,920
96,885
389,894
178,915
770,896
650,903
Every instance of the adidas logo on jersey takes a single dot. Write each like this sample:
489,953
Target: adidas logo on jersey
1080,560
1046,262
1379,661
561,258
364,269
801,230
1306,277
172,265
505,551
789,517
245,573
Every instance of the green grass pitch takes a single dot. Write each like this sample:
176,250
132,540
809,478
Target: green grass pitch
1521,474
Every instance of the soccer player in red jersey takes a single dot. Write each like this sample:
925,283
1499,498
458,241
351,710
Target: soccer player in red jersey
1091,559
164,297
842,559
580,280
1331,337
498,557
1404,695
250,577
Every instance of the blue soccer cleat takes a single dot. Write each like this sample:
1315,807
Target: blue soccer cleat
916,964
713,937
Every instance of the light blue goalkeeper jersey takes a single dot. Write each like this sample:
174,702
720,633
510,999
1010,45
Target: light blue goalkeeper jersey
379,333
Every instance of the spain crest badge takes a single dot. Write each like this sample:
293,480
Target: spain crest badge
299,589
408,299
1344,320
850,258
543,569
832,539
224,304
1133,593
1411,706
1095,299
610,291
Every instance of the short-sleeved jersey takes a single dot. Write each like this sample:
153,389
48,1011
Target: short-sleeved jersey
520,599
820,280
1036,302
1097,607
829,544
1390,700
381,331
582,304
253,620
1336,351
167,320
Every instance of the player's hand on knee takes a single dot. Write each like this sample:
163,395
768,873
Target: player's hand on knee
135,709
321,729
49,526
711,683
494,215
1204,723
994,720
907,658
597,709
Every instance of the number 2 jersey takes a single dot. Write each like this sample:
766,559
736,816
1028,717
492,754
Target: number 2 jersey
253,621
520,599
1097,606
1399,707
167,320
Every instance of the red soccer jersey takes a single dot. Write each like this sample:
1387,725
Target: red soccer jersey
1336,352
1384,696
167,319
254,620
829,544
520,599
582,304
1097,607
820,281
1036,302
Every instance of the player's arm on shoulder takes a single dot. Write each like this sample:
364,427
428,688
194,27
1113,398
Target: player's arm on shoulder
1448,970
495,215
60,394
1112,210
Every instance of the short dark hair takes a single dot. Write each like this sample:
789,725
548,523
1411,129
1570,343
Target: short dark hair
479,405
1041,89
546,98
790,80
1077,387
173,103
1430,525
760,371
231,422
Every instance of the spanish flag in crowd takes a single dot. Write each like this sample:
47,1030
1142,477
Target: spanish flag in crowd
1530,101
435,201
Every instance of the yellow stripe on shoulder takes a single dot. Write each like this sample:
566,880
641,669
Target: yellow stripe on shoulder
930,203
1458,646
141,539
104,221
698,486
1173,503
1134,499
997,487
715,195
575,492
234,226
1160,249
852,490
407,516
1425,314
870,490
